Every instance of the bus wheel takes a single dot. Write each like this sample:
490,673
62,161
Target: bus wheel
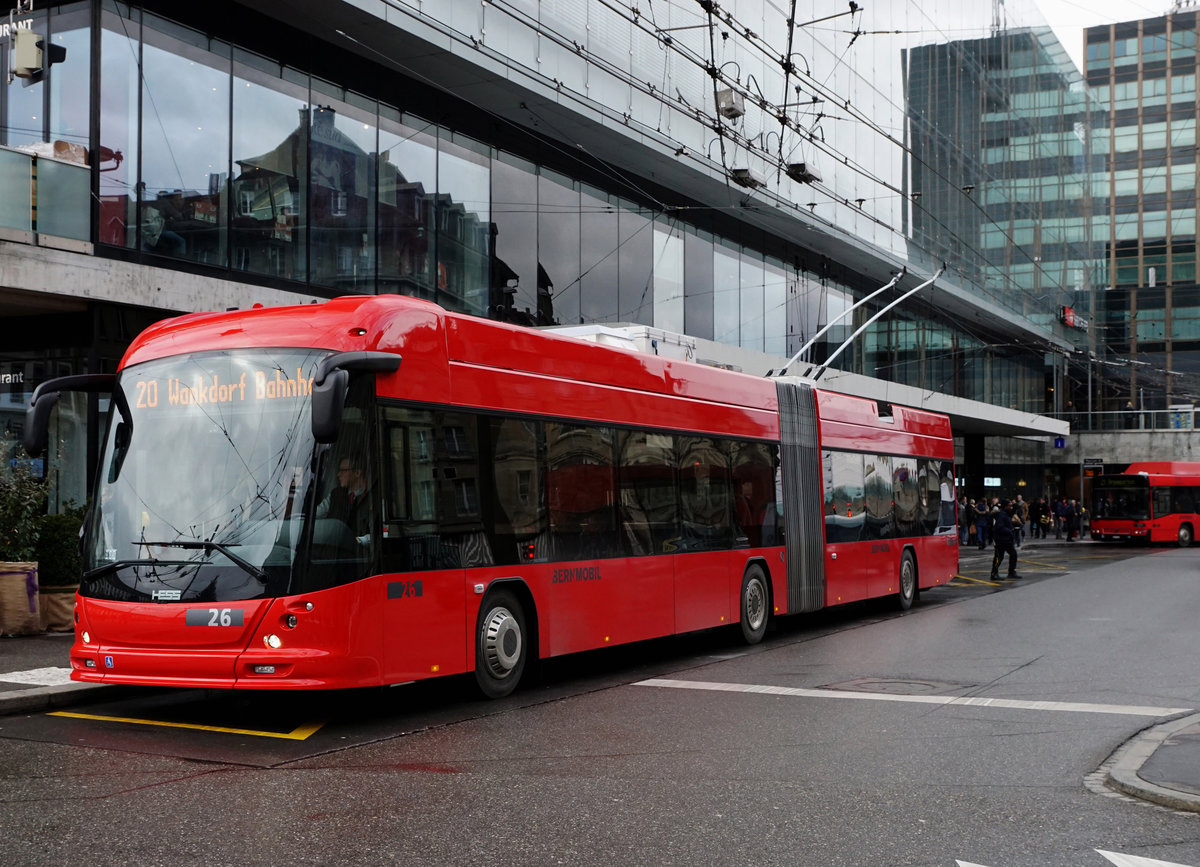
756,605
1185,535
908,581
500,645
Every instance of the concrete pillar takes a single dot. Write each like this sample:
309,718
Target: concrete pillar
973,469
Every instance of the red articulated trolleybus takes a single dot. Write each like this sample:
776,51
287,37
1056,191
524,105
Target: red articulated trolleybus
1152,501
375,490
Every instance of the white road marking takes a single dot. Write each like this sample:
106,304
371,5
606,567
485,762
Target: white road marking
1136,861
1115,857
951,700
38,677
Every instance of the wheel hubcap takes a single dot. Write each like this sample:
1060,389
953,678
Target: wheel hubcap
501,642
756,606
907,580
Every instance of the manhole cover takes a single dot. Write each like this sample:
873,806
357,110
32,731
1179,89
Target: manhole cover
899,686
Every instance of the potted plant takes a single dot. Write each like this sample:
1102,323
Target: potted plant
21,501
59,568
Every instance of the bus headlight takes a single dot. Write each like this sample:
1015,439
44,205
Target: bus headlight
87,639
273,641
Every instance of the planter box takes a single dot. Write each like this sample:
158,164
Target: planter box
56,605
19,599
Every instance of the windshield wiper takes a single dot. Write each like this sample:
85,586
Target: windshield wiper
208,547
117,565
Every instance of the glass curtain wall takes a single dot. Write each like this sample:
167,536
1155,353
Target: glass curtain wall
184,144
260,169
120,54
25,116
408,156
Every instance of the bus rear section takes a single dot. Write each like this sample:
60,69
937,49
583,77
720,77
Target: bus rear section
887,500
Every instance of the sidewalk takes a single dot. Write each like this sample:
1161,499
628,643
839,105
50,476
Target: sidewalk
1160,764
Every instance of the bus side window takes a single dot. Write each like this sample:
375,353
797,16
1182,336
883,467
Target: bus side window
1162,502
649,499
845,513
906,498
877,473
518,520
753,489
705,494
580,489
1185,500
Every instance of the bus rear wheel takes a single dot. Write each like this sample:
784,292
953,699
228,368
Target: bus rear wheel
908,581
501,646
756,605
1186,535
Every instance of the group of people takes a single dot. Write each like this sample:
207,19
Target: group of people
1035,519
1005,524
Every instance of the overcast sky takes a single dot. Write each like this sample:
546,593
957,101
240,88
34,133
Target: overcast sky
1069,18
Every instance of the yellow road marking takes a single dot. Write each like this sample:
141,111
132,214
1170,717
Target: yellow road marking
1058,566
977,580
298,734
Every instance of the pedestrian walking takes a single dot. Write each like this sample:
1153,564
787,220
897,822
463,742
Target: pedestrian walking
1005,537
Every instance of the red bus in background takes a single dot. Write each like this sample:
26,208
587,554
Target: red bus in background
375,490
1152,501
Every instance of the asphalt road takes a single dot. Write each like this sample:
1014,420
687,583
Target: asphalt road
845,738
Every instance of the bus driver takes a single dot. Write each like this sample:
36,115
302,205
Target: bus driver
350,501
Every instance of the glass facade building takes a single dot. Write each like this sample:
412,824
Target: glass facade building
1144,74
740,173
1003,155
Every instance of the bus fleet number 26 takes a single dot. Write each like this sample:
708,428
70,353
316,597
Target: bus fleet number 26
215,616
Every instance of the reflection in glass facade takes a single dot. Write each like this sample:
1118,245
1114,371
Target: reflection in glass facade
846,145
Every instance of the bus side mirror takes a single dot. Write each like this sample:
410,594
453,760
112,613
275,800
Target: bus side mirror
331,381
45,398
37,422
327,401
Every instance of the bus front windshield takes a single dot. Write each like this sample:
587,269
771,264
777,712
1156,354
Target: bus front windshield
204,479
1127,499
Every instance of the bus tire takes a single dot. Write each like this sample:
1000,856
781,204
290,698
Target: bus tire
1186,534
501,645
907,580
755,604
